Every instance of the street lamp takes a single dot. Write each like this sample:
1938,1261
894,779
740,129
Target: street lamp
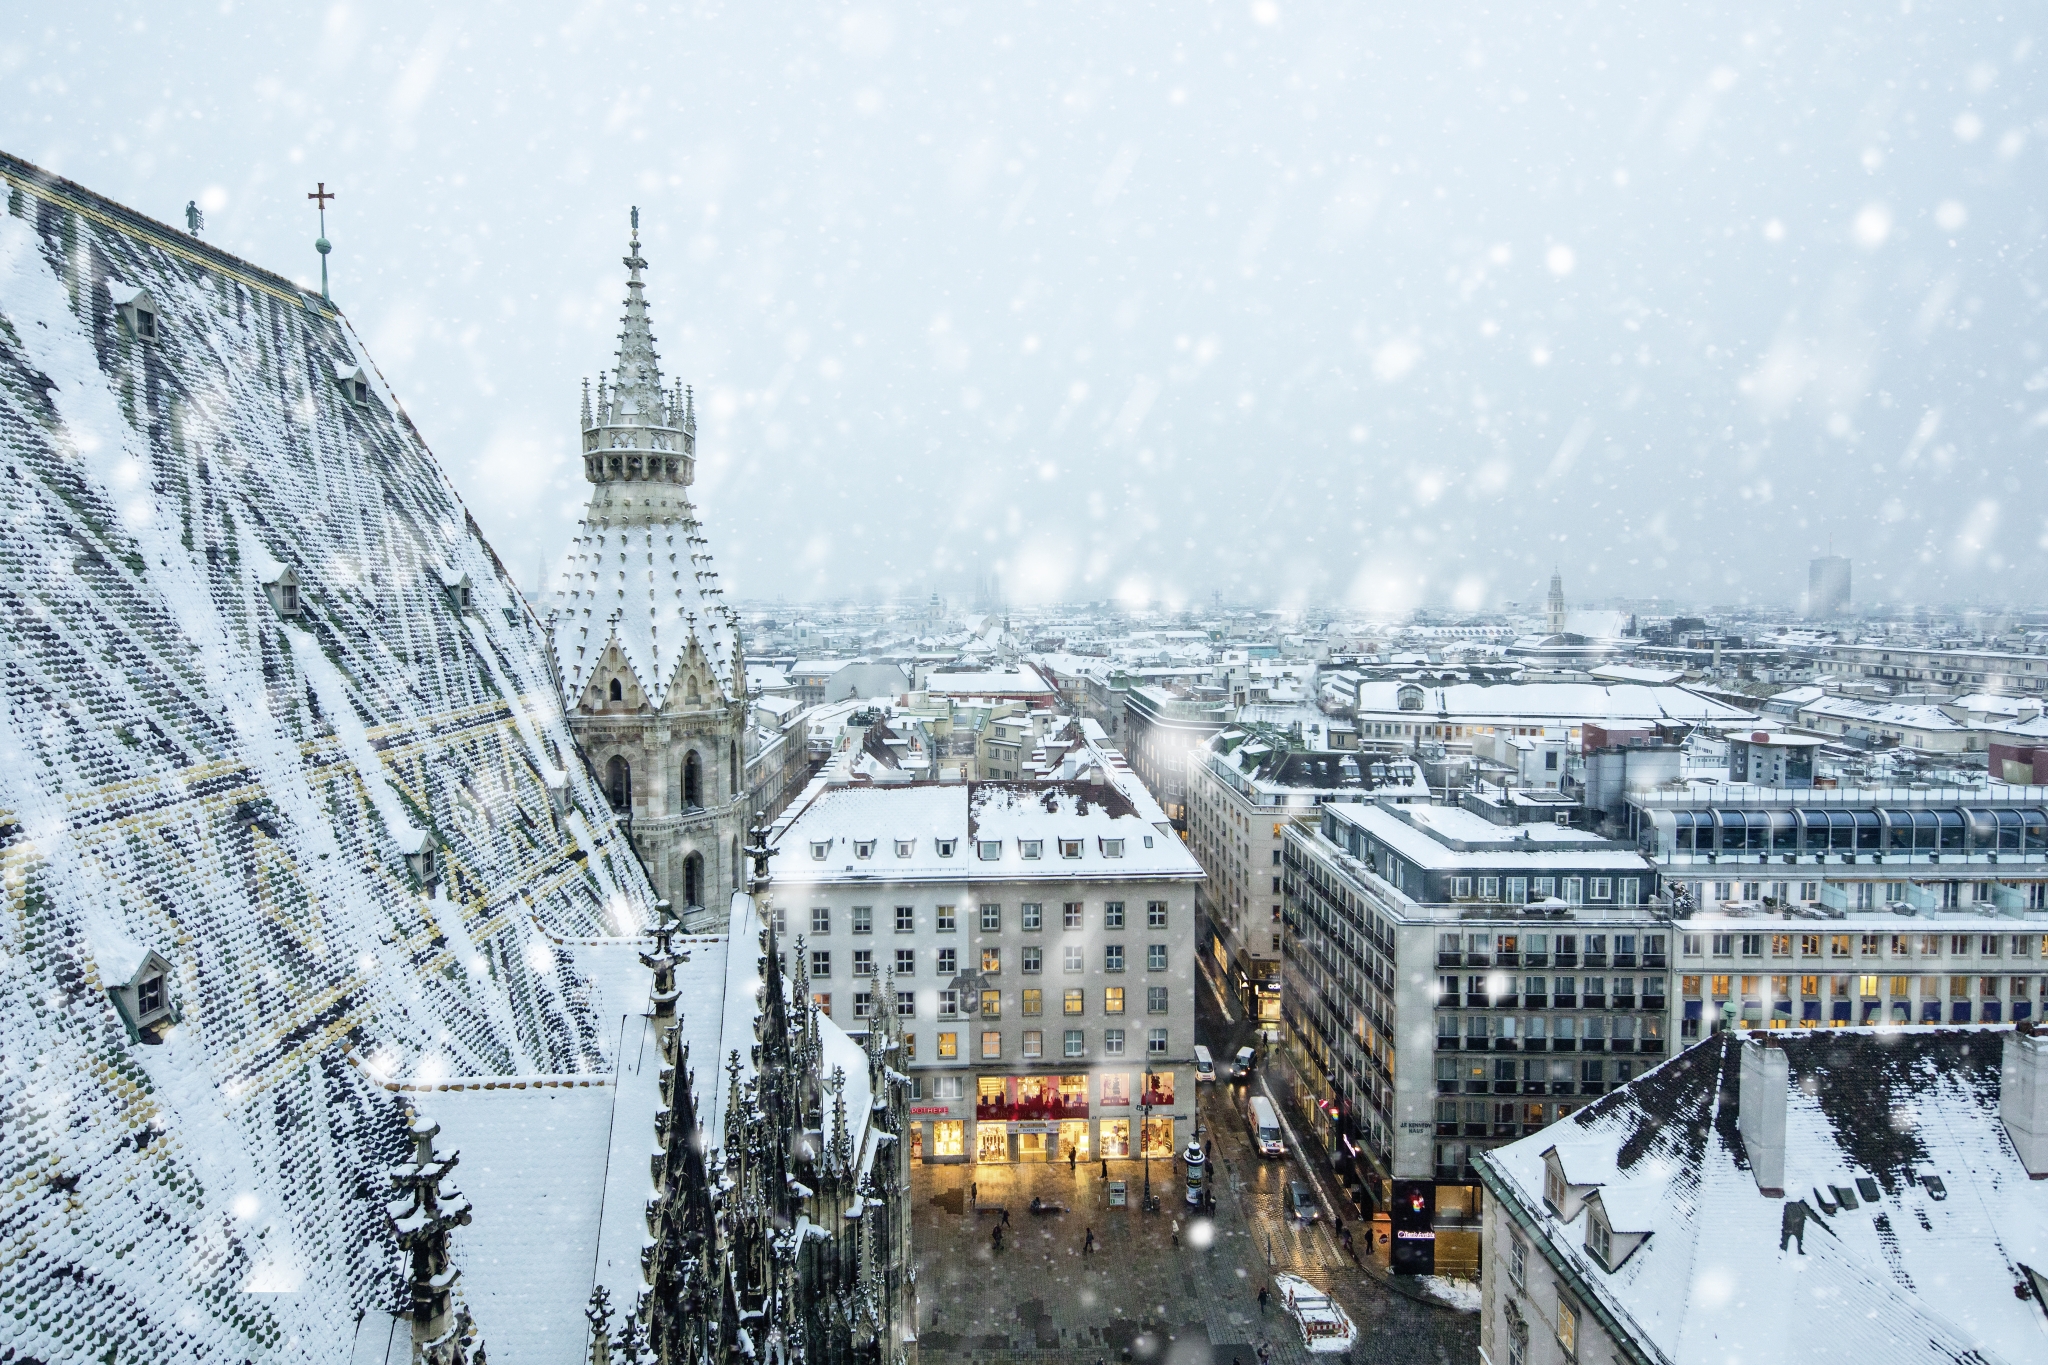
1145,1146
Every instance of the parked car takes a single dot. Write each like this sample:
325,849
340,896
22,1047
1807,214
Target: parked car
1205,1065
1301,1201
1265,1126
1241,1067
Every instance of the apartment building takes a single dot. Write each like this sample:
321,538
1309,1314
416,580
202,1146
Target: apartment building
1036,940
1161,729
1243,789
1452,984
1999,670
1908,849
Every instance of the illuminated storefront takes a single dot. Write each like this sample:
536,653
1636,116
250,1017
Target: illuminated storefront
1079,1115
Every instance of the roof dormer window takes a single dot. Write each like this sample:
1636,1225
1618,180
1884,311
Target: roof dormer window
945,847
820,850
137,310
904,847
1031,848
989,850
864,848
354,384
456,585
283,591
138,982
1112,848
1600,1240
1070,848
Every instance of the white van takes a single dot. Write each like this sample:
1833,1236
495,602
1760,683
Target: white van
1205,1066
1265,1125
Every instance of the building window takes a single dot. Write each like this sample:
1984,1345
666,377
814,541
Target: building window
819,848
1602,888
906,1005
821,963
988,850
863,961
944,846
1070,915
1034,958
947,958
864,848
1155,1000
991,1004
945,919
823,1000
1567,1330
863,919
949,1004
1112,1042
1113,957
1112,848
1070,848
1113,1000
906,919
1034,1002
991,918
1032,849
1518,1258
1034,1044
1155,1046
863,1004
1071,958
991,1045
1600,1242
1033,914
949,1046
1155,957
1073,1000
821,920
992,960
1075,1044
1155,914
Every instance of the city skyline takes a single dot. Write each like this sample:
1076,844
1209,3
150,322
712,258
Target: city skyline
1453,299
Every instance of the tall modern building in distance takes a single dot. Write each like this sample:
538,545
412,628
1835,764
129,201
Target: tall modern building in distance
1827,586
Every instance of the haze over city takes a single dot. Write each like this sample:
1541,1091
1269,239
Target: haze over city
1146,302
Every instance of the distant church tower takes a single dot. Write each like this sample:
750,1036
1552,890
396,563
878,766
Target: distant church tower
1554,613
649,652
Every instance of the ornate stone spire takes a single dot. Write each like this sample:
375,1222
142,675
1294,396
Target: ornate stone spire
423,1214
636,433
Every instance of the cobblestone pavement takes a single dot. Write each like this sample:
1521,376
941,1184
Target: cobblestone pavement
1040,1299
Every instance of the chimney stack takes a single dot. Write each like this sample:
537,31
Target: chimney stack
1760,1113
2023,1098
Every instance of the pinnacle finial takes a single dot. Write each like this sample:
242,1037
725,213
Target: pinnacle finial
636,225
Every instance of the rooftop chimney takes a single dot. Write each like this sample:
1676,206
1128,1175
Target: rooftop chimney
2023,1098
1760,1113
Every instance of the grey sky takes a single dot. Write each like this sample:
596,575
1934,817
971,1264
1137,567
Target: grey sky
1297,302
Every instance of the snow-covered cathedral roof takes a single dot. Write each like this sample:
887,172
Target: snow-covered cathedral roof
242,705
638,577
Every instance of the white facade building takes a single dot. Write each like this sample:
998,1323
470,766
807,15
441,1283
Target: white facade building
1035,939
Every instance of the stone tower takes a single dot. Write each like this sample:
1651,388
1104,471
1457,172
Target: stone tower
650,655
1554,614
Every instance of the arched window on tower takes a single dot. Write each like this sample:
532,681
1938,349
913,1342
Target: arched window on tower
732,748
618,690
618,783
693,879
693,780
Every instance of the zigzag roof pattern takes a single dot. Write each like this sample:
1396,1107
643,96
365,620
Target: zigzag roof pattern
185,768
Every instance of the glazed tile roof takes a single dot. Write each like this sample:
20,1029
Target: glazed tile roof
186,769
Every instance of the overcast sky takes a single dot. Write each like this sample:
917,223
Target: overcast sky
1295,302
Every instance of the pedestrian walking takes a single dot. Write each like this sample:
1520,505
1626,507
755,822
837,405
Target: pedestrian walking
1004,1217
974,1193
997,1236
1263,1296
1088,1243
1105,1168
1073,1153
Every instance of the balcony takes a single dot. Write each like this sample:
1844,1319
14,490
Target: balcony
1503,1087
1564,1002
1510,959
1535,1045
1535,1002
1446,1042
1653,1002
1504,1001
1536,959
1622,1045
1624,1002
1504,1045
1505,1130
1654,961
1445,1130
1593,1045
1592,960
1595,1002
1475,1001
1623,960
1475,1130
1564,1045
1567,959
1650,1045
1476,1044
1447,959
1532,1087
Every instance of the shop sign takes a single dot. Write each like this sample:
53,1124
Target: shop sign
1116,1194
931,1109
1034,1126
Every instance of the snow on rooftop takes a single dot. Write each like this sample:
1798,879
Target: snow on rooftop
1564,702
1905,1276
185,770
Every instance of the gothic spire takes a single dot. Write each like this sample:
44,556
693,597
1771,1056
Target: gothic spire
636,391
